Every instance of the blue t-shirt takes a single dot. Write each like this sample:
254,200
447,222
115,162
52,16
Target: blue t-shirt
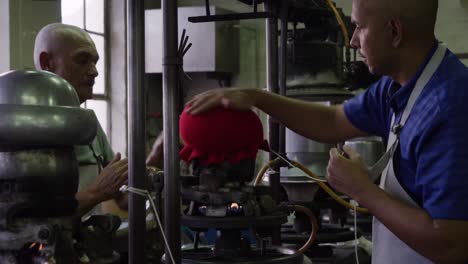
431,162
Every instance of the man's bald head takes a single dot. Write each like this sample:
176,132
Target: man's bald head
53,38
392,35
69,52
419,16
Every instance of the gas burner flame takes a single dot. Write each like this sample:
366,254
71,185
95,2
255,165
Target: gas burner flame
202,209
36,246
35,253
234,209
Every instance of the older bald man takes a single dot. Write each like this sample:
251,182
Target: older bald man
69,52
419,107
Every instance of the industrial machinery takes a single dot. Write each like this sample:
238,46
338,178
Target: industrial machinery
314,64
41,122
319,68
222,146
220,199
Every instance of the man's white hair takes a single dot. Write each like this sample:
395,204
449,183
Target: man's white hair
53,36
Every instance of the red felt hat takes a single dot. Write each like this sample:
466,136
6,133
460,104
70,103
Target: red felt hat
220,134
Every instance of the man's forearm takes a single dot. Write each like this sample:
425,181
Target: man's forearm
155,160
122,201
416,228
312,120
86,201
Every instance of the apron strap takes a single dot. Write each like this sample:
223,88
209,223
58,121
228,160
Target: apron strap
376,170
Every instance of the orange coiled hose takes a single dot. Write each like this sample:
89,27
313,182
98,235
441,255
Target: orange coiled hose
313,223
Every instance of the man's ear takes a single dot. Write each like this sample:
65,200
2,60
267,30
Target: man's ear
45,61
396,28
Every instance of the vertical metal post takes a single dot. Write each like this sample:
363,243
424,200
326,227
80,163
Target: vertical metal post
207,7
283,67
272,68
272,86
171,64
135,72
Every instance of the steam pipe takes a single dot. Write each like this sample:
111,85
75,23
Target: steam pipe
171,63
272,86
136,103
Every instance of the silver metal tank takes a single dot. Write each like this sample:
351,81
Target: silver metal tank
312,154
370,148
41,121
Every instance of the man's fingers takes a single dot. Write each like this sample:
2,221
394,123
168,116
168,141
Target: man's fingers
194,103
119,164
124,175
116,158
329,173
201,106
204,102
121,168
122,181
190,102
352,154
335,154
225,102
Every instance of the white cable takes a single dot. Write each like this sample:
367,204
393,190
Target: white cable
292,165
356,242
145,193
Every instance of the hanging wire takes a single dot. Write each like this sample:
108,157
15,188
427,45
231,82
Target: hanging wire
145,193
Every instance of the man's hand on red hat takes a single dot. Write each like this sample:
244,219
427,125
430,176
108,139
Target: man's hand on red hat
236,99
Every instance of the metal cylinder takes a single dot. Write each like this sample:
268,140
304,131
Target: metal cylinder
36,88
370,148
312,154
41,121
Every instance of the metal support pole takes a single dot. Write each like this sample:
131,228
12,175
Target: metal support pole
272,86
283,67
207,7
272,68
171,64
136,103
